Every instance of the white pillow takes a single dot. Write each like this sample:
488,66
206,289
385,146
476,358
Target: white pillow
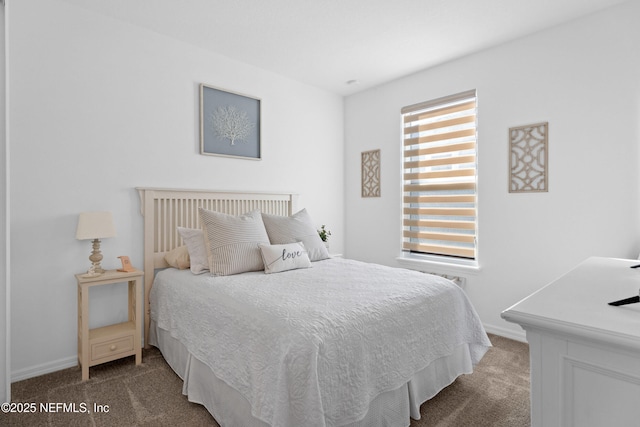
178,258
296,228
232,241
194,240
279,258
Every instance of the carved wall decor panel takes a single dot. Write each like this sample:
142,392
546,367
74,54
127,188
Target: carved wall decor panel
371,173
528,158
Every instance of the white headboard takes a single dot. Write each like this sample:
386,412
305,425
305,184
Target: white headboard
166,209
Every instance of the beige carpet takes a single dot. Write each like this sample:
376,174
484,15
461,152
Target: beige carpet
496,394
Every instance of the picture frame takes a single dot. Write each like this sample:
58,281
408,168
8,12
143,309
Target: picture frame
529,158
370,171
229,124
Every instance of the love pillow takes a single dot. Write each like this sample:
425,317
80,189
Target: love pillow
285,257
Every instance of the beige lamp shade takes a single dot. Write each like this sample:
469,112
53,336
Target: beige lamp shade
95,225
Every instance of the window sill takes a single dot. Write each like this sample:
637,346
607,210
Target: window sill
438,265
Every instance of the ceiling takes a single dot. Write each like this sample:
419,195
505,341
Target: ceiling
329,43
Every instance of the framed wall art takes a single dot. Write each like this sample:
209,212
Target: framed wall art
229,124
371,173
528,158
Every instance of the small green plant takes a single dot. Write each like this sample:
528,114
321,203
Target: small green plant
324,234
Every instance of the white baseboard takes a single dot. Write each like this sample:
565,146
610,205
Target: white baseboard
507,333
45,368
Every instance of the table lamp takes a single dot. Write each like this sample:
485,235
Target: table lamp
95,226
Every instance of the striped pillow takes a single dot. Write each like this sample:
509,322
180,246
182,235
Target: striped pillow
296,228
232,241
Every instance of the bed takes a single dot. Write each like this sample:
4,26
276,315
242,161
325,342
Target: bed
328,342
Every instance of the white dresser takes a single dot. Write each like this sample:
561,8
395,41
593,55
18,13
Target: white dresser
585,354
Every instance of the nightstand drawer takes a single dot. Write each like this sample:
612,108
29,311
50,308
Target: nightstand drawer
111,348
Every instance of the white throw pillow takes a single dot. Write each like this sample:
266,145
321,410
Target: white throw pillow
194,240
279,258
232,241
296,228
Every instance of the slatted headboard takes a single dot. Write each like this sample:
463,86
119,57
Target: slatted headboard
166,209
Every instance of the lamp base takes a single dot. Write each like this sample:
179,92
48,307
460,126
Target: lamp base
96,270
89,275
95,258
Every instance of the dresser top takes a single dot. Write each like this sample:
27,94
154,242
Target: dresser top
577,302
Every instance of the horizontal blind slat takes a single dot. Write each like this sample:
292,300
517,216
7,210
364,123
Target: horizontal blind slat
453,173
448,186
449,237
447,148
461,160
468,119
456,160
466,225
440,137
444,198
444,211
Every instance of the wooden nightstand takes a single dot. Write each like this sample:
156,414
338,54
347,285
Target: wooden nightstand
111,342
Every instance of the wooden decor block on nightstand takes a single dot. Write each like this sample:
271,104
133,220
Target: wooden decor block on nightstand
111,342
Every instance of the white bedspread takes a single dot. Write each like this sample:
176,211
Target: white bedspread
313,347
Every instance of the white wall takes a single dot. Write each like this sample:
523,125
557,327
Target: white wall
99,107
582,78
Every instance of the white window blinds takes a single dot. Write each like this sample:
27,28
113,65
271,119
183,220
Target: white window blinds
439,200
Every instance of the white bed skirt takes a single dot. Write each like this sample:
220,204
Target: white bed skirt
229,408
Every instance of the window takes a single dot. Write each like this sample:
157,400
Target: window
439,177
